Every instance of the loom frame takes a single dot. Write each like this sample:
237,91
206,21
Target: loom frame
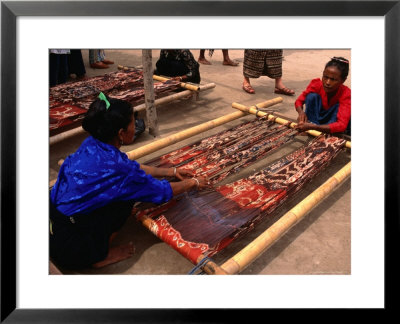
253,250
10,11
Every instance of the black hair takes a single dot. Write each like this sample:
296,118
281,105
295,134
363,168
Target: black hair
103,123
341,64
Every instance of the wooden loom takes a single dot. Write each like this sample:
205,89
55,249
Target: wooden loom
78,113
258,246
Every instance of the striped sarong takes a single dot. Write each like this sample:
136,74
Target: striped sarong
262,62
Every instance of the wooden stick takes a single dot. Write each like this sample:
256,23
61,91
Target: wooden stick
185,85
174,138
253,250
64,135
176,96
253,110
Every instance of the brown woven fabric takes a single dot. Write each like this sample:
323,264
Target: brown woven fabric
262,62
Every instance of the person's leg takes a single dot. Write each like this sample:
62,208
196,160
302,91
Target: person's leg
63,73
116,254
273,69
103,58
253,65
94,60
76,65
316,113
227,60
202,58
247,86
53,69
280,88
110,220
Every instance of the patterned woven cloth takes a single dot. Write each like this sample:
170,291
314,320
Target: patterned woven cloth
125,85
227,152
205,222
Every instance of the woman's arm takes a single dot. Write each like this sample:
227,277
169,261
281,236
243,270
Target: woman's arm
158,172
302,118
188,184
167,172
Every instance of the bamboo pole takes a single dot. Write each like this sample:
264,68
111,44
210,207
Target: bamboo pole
64,135
253,250
185,85
188,86
174,138
149,97
126,68
176,96
253,110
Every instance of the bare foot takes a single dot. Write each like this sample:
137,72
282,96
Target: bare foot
116,254
202,60
230,62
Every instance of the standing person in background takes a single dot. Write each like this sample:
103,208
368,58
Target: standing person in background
76,65
327,100
58,66
97,59
264,62
225,53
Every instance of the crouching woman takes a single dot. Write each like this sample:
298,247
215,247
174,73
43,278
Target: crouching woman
98,185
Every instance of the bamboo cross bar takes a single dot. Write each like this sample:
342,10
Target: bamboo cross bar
174,138
253,250
183,84
175,96
253,110
210,268
163,79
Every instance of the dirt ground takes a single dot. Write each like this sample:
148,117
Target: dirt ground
318,244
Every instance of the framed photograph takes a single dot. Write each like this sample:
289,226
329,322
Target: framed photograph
29,28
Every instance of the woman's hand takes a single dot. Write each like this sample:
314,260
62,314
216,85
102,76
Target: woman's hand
178,78
302,118
203,182
183,174
302,127
189,184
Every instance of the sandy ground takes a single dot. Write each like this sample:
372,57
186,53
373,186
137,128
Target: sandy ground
318,244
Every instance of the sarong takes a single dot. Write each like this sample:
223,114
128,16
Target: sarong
262,62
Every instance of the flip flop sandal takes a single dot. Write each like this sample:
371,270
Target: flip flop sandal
284,91
248,89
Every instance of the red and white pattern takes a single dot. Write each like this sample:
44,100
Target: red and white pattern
215,218
80,94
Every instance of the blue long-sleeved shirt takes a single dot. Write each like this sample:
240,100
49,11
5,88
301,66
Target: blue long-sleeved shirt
98,174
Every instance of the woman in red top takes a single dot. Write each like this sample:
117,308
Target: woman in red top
327,101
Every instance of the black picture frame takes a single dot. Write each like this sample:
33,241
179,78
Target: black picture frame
10,10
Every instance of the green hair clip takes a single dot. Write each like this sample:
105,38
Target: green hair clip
103,97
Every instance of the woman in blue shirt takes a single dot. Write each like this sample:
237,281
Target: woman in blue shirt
98,185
